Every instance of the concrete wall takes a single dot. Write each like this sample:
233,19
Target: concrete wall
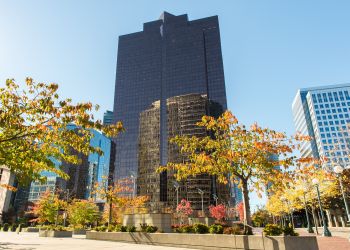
162,221
211,241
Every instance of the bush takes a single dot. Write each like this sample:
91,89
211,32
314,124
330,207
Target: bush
186,229
13,228
176,228
273,230
288,230
236,230
200,228
143,227
120,228
131,229
216,229
110,228
151,229
101,228
5,227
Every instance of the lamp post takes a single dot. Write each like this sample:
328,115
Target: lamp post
326,232
339,170
216,199
201,192
133,177
176,186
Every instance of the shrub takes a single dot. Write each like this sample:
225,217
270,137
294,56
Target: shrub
236,230
216,229
151,229
186,229
13,228
6,227
288,230
131,229
120,228
273,230
110,228
200,228
143,227
101,228
176,228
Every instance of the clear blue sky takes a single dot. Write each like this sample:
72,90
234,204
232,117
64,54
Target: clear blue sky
270,48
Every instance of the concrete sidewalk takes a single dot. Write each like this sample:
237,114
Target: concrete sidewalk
338,241
31,241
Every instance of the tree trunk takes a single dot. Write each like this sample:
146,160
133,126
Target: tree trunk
110,214
246,208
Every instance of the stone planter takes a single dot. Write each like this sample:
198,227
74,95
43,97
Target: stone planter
30,229
160,220
55,234
79,232
211,241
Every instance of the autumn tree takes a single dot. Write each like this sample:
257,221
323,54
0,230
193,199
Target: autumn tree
261,217
35,129
299,192
117,199
47,208
233,151
218,212
184,209
82,212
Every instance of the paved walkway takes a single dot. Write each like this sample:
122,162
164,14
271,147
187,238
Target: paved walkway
339,240
31,241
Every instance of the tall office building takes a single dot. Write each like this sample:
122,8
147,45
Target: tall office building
82,177
323,113
171,57
107,117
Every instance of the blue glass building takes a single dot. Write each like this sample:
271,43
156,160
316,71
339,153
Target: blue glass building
83,176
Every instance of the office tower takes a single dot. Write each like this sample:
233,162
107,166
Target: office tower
183,114
82,177
170,57
323,113
108,118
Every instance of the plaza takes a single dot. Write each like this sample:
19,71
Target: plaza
31,241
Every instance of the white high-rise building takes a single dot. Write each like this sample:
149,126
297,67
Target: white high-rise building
323,113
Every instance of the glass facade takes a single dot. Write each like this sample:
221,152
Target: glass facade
323,113
183,113
108,118
92,169
171,57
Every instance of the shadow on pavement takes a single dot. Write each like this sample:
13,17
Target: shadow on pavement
6,245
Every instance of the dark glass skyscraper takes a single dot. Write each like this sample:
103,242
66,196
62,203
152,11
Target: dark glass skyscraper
172,56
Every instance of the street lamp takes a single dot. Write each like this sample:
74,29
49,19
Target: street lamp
216,199
309,227
133,177
201,192
326,232
339,170
176,186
